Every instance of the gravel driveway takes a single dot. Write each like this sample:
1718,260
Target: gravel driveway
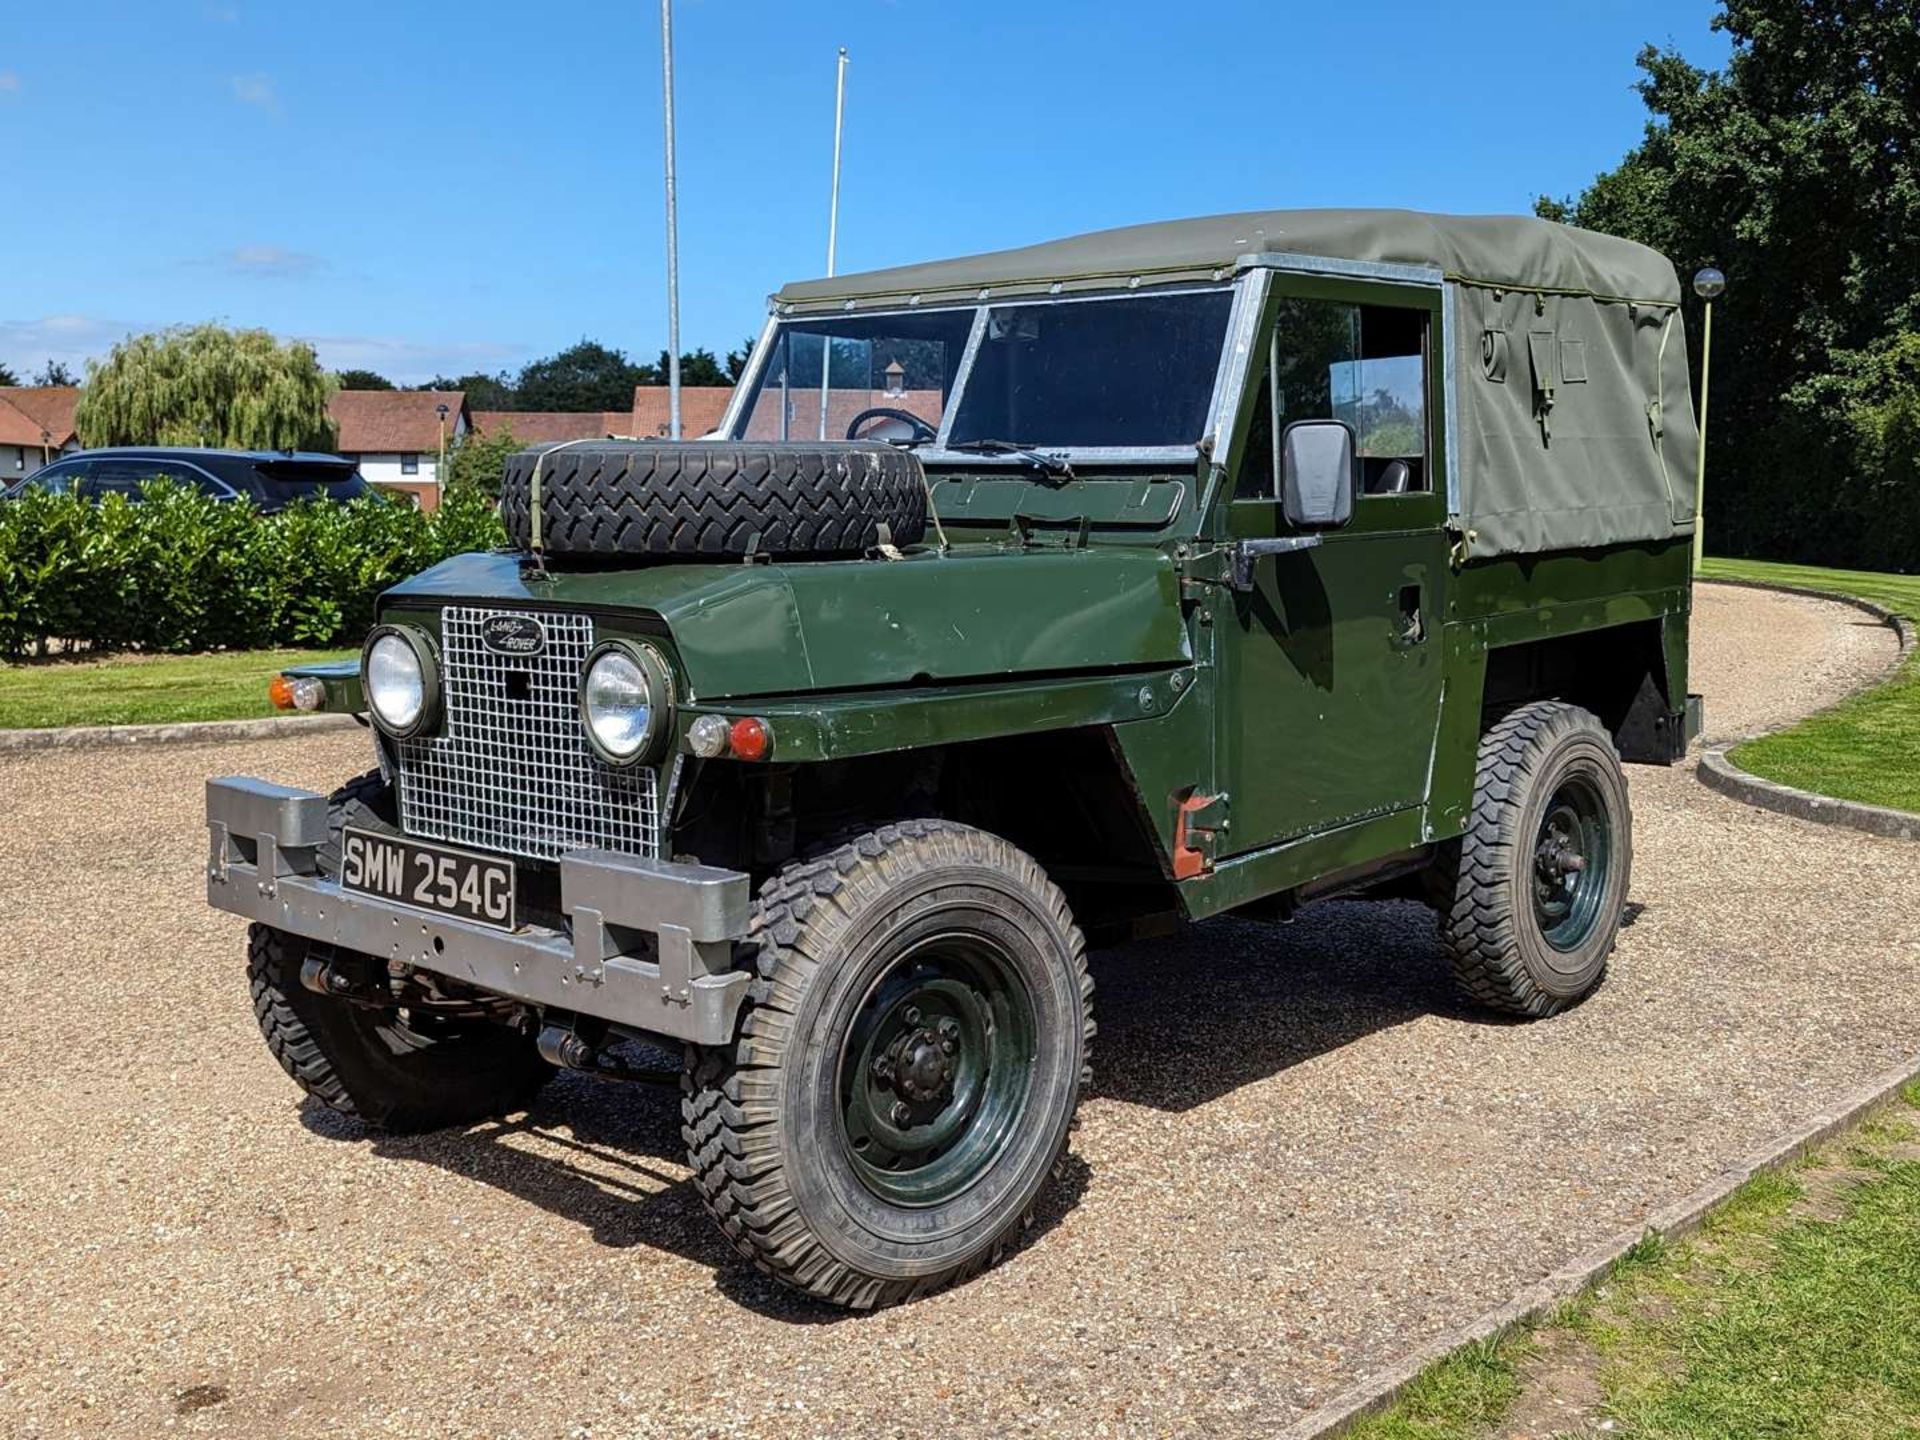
1265,1202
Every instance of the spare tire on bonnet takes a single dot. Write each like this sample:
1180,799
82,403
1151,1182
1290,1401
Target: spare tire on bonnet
714,498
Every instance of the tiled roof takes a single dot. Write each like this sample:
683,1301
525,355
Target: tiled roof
701,407
26,410
549,427
388,421
843,406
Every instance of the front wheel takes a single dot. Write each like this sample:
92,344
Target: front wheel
1530,898
906,1070
393,1068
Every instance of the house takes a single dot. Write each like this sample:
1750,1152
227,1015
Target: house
701,407
797,414
36,426
397,436
551,427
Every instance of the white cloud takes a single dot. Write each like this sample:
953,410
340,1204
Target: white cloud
270,262
9,82
25,345
256,89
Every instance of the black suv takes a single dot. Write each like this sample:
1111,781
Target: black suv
271,479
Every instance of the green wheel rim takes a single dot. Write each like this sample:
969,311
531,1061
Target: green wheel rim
936,1071
1572,863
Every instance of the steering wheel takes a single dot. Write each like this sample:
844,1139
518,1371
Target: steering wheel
918,430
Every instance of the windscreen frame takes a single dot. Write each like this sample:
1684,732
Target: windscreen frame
1242,318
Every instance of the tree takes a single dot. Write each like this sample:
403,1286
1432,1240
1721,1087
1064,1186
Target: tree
737,360
362,380
1797,171
478,461
207,385
697,367
55,372
484,392
585,376
7,377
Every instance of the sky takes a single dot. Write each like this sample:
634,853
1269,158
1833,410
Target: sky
424,189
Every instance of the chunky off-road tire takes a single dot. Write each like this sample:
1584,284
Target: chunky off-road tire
715,498
787,1128
1531,897
389,1070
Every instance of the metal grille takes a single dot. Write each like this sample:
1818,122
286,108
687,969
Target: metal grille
511,769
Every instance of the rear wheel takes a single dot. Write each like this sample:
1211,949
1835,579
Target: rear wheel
395,1067
907,1069
1530,898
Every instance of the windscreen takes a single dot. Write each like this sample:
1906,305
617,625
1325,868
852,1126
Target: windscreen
285,481
1132,372
826,379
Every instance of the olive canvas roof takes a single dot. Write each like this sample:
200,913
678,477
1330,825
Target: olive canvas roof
1494,250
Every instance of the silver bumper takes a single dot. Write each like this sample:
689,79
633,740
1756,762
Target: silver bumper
262,864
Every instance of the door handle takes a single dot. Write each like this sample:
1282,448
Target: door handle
1412,625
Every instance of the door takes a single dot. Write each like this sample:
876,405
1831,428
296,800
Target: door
1330,667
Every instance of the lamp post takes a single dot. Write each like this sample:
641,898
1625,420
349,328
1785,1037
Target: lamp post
46,439
440,470
1709,284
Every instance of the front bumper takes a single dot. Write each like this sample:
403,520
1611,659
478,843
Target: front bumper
262,863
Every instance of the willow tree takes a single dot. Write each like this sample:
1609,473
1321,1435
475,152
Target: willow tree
207,385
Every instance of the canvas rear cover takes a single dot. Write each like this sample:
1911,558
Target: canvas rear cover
1576,421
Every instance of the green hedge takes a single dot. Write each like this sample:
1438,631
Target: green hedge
179,572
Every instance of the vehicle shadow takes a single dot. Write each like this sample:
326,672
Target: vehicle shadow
1188,1019
1182,1021
608,1157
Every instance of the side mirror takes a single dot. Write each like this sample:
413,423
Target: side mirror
1318,484
1318,479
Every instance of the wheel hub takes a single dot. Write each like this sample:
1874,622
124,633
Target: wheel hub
1572,853
1556,858
936,1070
918,1065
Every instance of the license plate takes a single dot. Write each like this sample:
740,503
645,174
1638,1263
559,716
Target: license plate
428,877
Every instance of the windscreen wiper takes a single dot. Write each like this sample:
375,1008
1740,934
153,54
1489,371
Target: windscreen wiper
1052,465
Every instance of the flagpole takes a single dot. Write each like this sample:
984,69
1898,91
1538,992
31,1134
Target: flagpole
673,228
833,222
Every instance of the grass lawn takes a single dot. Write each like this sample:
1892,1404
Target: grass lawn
1866,748
145,689
1794,1312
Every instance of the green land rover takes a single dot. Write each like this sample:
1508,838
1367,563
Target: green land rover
1044,598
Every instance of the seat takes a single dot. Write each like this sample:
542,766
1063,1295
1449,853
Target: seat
1393,480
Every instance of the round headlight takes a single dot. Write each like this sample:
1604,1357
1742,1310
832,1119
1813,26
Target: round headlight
399,680
625,701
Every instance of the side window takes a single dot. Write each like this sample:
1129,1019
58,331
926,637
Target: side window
409,464
60,477
121,477
1259,467
196,479
1364,364
1383,395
